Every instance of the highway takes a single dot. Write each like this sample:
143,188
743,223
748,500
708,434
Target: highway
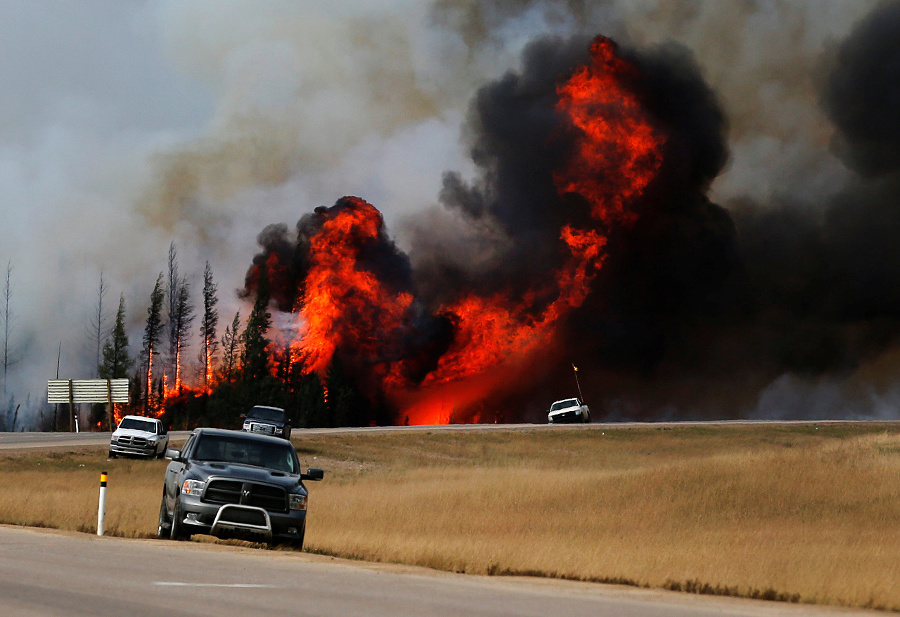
49,573
10,441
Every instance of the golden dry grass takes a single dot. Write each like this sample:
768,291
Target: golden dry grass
799,512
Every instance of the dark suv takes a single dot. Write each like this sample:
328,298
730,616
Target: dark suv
231,484
267,421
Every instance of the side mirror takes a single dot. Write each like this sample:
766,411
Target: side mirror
173,455
312,474
243,415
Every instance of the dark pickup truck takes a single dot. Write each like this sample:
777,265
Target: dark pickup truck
232,484
267,420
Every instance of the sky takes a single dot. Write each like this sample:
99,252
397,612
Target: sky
126,126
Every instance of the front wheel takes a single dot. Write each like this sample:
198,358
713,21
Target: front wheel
165,525
297,544
177,530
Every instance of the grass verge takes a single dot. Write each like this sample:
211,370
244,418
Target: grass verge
804,513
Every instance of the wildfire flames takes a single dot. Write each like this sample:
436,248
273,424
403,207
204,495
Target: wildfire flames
356,297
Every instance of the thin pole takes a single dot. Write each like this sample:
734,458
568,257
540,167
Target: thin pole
101,509
580,395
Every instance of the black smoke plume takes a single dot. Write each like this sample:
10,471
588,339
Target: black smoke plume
698,311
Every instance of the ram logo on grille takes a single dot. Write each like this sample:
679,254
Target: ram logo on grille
268,497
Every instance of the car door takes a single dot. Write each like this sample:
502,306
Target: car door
174,472
163,443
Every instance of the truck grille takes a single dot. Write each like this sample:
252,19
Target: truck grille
271,498
265,429
134,442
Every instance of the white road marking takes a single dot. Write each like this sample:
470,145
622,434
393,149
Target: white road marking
235,585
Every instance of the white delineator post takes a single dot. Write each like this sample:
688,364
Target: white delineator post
101,510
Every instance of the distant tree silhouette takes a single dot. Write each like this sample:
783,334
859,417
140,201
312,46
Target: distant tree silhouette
208,325
255,360
152,334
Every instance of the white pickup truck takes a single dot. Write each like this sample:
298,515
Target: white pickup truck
568,410
139,436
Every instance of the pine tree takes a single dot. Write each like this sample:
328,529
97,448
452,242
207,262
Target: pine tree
98,329
116,361
347,405
208,325
255,358
182,319
172,286
9,357
312,410
231,349
152,334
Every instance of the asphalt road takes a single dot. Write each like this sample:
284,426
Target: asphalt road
48,574
9,441
19,441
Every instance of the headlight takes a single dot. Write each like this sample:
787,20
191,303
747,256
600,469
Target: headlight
297,502
192,487
278,431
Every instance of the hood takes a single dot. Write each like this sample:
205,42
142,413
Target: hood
250,473
134,433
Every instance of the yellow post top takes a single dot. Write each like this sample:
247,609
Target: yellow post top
103,476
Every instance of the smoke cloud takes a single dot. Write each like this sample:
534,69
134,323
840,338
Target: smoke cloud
759,278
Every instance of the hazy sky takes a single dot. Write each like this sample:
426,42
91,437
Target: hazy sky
127,125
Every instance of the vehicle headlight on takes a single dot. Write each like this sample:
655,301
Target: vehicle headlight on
192,487
297,502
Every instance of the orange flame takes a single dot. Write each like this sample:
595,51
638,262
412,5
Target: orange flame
342,303
617,153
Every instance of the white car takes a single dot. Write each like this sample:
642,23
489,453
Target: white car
568,410
139,436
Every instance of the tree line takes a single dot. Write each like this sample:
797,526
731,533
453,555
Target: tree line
230,373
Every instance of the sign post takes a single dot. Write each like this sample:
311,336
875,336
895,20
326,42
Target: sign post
73,391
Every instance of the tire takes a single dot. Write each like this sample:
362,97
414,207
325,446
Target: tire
113,454
163,530
296,545
177,530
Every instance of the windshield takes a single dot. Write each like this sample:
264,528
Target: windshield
138,425
229,449
569,402
264,413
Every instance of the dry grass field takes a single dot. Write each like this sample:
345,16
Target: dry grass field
807,513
